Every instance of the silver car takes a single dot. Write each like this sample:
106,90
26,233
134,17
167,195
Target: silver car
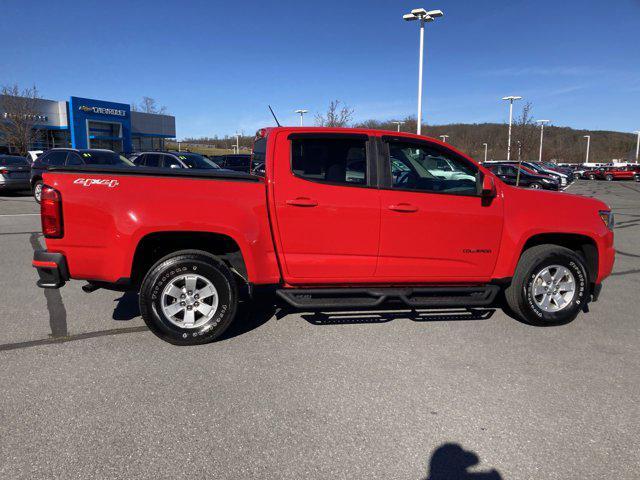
15,173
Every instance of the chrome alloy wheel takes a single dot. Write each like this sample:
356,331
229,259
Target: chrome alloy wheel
38,192
189,301
553,288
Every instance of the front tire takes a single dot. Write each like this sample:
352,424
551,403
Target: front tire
592,177
189,298
609,178
535,186
550,286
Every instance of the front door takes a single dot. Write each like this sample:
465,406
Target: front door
327,211
434,225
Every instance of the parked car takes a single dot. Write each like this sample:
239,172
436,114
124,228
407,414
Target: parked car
636,177
237,162
194,244
593,173
32,155
174,160
508,173
622,173
57,157
14,173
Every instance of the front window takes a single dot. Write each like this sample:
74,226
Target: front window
430,168
332,160
193,160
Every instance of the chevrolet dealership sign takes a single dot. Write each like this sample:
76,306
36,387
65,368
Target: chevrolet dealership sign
103,111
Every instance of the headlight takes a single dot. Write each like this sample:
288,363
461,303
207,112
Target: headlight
607,218
548,180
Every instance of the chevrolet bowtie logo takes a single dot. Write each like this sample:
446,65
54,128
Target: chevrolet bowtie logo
84,108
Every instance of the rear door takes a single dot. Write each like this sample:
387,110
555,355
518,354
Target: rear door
434,224
327,207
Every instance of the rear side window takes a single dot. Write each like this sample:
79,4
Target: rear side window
152,160
56,158
74,159
331,160
170,162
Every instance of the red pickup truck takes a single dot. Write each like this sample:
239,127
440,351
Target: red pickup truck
342,219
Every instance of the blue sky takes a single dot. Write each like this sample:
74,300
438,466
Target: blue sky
216,65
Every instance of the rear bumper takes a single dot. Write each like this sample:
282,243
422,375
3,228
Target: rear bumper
52,269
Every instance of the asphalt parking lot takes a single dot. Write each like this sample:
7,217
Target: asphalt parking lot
88,392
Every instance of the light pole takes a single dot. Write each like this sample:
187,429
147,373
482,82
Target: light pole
301,112
486,147
511,99
424,16
237,142
637,145
588,137
444,138
541,122
398,124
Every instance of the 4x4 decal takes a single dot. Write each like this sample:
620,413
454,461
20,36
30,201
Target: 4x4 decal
87,182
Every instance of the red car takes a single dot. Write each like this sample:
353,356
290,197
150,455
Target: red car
620,173
342,219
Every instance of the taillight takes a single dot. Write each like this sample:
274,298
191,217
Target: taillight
4,171
51,212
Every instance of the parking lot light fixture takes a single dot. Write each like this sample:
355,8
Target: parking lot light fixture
637,145
424,16
398,124
588,137
541,122
444,138
511,99
301,112
486,147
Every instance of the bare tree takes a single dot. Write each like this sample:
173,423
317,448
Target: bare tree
336,115
19,115
149,105
525,134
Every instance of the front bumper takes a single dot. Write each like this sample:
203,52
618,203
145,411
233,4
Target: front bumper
52,269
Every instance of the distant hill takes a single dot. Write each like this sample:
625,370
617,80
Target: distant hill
563,144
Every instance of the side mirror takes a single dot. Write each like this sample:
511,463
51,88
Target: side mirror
488,187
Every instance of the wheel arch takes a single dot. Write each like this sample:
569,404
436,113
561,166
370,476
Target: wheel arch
583,245
154,246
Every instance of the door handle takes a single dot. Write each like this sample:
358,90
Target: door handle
403,207
302,202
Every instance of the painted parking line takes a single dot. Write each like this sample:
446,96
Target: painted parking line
20,215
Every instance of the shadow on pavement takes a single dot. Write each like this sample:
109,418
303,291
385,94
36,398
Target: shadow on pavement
452,462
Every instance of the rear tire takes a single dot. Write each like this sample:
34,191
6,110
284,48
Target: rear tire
564,296
592,177
37,190
609,178
189,298
535,186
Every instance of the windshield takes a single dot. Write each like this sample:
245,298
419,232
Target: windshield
5,161
193,160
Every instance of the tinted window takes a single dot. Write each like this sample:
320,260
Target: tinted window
54,158
334,160
152,160
193,160
74,159
430,168
6,161
171,162
96,157
259,156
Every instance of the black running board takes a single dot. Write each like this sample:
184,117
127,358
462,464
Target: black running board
414,297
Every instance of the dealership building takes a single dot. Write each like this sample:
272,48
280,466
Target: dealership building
90,123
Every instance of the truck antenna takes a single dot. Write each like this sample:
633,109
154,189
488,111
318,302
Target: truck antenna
274,116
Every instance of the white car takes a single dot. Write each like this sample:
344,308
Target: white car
33,154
